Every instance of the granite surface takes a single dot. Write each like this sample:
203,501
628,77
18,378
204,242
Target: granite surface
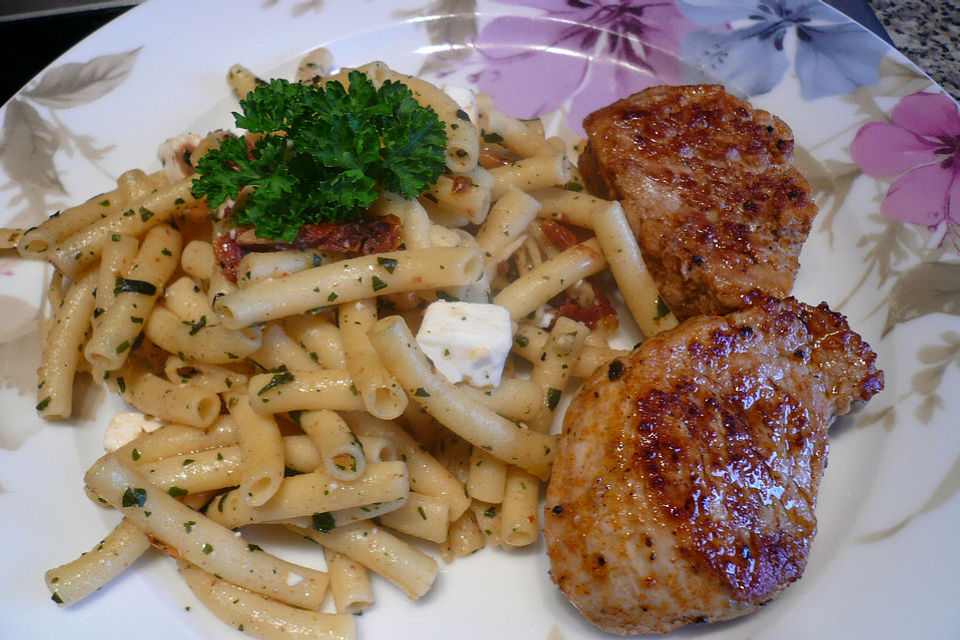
928,33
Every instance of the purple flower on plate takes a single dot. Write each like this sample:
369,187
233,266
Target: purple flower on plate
593,51
747,49
921,145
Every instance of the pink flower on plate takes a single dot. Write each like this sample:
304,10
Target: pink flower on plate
593,51
921,142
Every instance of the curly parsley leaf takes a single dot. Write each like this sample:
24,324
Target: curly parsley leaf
322,153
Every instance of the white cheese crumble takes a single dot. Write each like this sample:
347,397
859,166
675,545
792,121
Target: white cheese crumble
464,98
172,154
467,341
126,427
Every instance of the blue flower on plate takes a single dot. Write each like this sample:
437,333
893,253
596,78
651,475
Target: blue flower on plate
747,46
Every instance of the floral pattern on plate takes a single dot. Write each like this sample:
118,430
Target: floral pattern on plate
30,142
587,51
921,145
747,46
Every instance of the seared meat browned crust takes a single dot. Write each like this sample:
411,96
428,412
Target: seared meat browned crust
686,475
710,190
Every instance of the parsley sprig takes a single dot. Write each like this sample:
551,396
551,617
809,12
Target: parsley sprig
324,154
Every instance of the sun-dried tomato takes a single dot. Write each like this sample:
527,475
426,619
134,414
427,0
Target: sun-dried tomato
560,236
601,311
228,253
364,237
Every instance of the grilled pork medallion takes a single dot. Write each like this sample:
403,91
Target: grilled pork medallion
686,474
709,187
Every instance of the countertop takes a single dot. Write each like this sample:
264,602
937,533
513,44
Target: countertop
926,31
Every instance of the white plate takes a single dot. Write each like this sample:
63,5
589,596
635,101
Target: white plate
885,563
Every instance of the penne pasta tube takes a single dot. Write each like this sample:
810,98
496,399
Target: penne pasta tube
415,223
349,583
260,616
487,476
515,398
515,134
175,439
477,291
200,540
441,216
508,220
162,399
535,287
212,140
314,65
464,537
53,295
83,248
552,369
219,285
301,454
37,241
118,256
186,300
487,517
206,376
427,474
458,412
319,337
348,280
529,342
453,452
75,580
460,197
381,552
341,451
198,501
480,176
199,341
638,287
136,293
280,351
197,260
256,267
261,451
378,449
381,394
421,516
530,174
568,207
315,493
519,521
304,391
242,80
198,472
9,237
62,349
422,425
330,520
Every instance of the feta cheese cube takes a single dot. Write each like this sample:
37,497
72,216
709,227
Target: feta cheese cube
467,341
126,427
